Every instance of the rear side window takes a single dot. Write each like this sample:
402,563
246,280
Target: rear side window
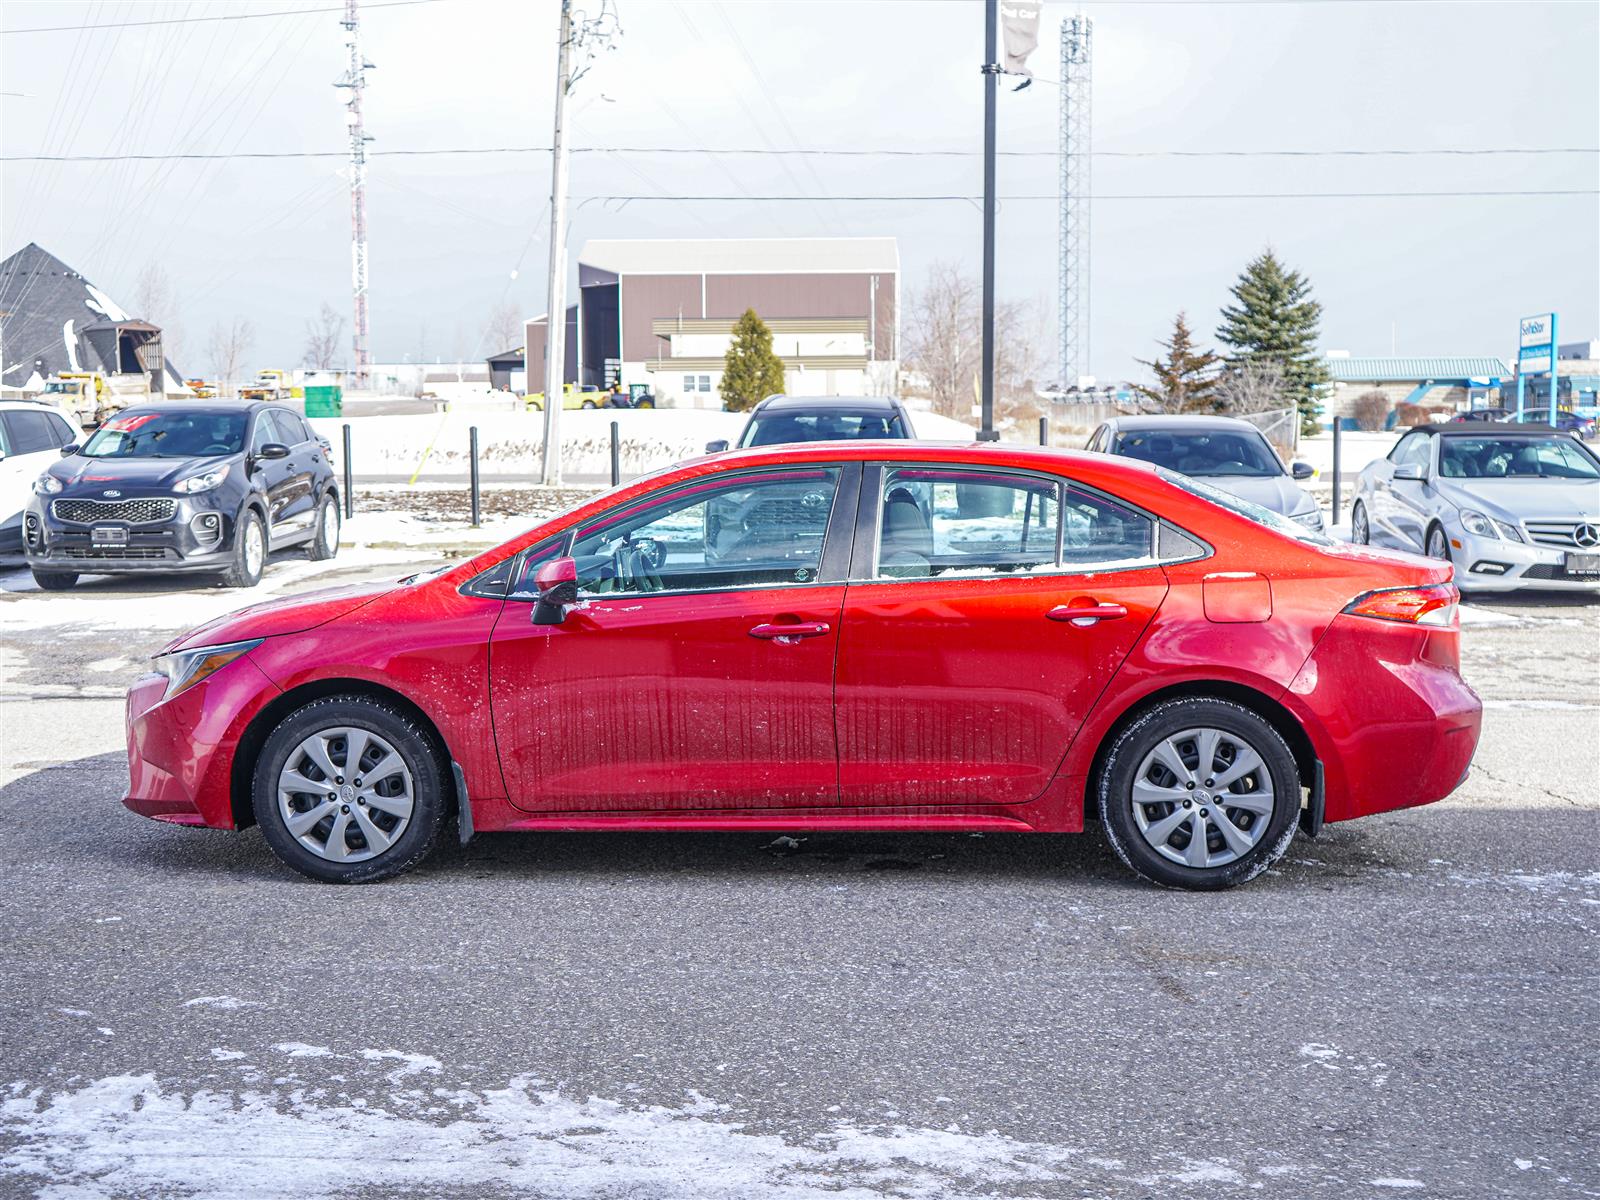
938,522
31,432
1101,533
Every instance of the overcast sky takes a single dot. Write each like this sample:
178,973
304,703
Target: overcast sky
269,239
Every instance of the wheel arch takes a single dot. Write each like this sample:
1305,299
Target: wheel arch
1264,706
264,722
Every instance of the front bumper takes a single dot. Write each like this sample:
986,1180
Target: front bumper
181,751
1485,564
197,536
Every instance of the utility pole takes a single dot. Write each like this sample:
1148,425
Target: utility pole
555,341
355,80
991,85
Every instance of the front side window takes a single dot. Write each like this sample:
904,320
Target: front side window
168,435
1411,450
758,530
936,521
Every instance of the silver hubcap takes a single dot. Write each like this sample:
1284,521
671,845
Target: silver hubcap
330,526
345,794
1202,798
255,549
1436,546
1359,524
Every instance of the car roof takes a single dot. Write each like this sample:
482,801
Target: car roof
851,404
205,408
1174,421
1475,429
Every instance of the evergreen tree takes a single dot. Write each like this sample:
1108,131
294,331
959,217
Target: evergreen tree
1276,320
1187,378
750,370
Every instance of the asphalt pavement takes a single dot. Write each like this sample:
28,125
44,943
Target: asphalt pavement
1406,1006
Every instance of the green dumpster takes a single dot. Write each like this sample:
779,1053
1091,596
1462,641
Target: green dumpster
325,401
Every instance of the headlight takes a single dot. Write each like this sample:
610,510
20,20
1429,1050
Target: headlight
201,483
185,668
1476,522
46,485
1311,519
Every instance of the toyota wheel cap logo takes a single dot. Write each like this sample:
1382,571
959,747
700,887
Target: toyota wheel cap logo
1586,536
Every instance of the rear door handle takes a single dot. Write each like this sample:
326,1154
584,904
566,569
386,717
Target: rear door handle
791,633
1087,614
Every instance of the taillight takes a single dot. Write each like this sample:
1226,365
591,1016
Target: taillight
1434,605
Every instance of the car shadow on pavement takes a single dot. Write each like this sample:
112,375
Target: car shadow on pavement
56,796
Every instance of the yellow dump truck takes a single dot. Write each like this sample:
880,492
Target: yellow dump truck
270,384
84,394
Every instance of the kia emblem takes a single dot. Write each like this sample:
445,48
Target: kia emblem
111,493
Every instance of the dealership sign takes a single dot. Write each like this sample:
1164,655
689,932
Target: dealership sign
1536,347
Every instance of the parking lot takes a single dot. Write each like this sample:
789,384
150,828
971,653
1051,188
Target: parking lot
1403,1007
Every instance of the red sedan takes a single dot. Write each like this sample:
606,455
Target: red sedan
865,636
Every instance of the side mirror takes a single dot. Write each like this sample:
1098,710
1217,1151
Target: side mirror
273,450
557,585
1302,470
69,449
1412,471
717,447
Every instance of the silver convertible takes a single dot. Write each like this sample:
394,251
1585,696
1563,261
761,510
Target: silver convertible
1510,506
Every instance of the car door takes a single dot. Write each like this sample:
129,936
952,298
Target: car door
1410,501
272,475
986,611
29,442
697,670
297,509
1381,504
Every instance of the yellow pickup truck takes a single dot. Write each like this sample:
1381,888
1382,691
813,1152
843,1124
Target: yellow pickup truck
571,397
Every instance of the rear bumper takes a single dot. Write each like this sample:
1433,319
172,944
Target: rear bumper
181,751
1389,715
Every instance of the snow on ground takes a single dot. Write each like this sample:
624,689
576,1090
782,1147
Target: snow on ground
116,1137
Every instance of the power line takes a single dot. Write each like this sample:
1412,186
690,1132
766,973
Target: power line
442,151
246,16
1053,197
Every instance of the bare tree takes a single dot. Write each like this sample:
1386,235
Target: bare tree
227,348
154,300
1255,385
324,339
504,330
944,345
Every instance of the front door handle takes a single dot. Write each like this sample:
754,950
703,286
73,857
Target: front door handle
1087,614
789,634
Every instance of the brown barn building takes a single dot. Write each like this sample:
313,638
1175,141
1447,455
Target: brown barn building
661,313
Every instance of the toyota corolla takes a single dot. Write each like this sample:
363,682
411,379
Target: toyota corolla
836,636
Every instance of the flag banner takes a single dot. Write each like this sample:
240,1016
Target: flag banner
1019,27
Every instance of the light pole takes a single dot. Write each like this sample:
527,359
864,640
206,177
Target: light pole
991,85
555,342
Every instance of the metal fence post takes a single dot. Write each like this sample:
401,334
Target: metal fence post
1044,431
1336,424
349,479
616,455
472,438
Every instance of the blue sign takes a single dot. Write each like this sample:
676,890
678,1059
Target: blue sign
1536,355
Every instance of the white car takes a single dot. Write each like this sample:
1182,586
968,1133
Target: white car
1512,506
31,437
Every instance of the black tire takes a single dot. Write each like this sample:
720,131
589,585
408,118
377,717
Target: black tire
589,404
245,570
1141,737
324,543
1360,527
1443,540
54,581
646,403
416,747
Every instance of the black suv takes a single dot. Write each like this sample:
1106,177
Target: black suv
183,487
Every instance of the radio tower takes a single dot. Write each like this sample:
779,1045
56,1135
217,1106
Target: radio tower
356,80
1077,125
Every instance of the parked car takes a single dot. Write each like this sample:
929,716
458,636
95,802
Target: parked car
31,437
1512,506
781,419
843,636
1565,420
1223,451
183,487
1484,414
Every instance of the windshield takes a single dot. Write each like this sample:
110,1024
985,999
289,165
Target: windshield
1491,457
169,435
1262,516
1202,451
783,427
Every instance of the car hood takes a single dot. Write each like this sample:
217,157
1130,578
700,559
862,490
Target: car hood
1277,492
272,618
93,475
1514,500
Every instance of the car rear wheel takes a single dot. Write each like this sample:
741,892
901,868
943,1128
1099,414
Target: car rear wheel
55,581
1199,793
350,790
249,552
325,543
646,403
1360,531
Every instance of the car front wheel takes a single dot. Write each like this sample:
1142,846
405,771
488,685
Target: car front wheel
1438,543
349,789
1360,530
1199,793
55,581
